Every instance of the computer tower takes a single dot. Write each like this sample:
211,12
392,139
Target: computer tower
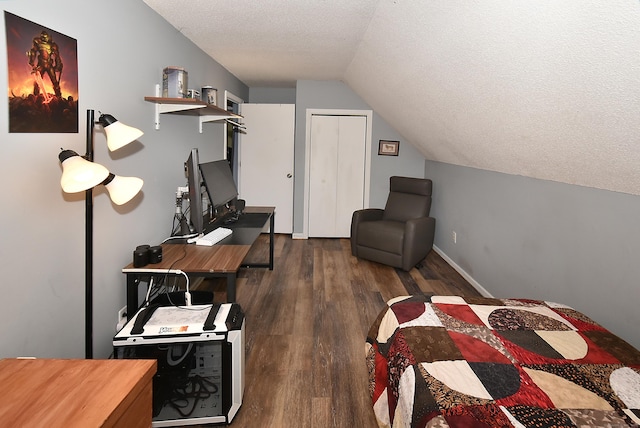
200,355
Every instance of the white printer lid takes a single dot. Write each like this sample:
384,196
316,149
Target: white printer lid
172,321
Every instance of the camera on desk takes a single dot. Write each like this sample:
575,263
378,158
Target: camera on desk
145,254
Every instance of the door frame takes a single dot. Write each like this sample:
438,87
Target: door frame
368,114
236,102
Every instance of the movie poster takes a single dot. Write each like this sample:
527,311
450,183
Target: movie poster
43,78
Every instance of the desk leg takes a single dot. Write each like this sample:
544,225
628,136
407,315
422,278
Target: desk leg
271,227
231,287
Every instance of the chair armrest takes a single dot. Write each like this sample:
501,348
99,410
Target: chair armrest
367,214
418,239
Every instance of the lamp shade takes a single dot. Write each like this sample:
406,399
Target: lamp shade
122,189
78,174
118,134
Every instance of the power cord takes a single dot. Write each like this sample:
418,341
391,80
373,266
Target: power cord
190,235
185,393
166,272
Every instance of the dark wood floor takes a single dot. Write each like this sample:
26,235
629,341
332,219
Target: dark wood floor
306,325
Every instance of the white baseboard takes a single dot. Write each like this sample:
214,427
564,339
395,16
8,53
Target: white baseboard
475,284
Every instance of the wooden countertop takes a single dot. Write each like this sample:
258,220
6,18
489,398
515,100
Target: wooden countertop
76,393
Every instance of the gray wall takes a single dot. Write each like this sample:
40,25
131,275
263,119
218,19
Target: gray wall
311,94
523,237
42,229
260,95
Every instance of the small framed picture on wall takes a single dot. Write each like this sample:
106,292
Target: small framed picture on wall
388,148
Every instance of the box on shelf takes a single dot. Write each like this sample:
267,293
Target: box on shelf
174,82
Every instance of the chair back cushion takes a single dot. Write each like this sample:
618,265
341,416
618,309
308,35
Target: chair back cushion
408,198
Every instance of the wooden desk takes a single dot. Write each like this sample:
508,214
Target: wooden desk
76,393
221,260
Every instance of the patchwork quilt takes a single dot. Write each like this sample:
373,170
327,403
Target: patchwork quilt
450,361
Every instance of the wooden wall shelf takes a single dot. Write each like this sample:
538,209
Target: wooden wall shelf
189,106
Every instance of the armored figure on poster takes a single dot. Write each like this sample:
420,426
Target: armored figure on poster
44,58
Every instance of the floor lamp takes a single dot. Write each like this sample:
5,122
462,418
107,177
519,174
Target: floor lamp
81,174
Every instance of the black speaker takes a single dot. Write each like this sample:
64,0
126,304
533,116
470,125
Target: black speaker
141,256
155,254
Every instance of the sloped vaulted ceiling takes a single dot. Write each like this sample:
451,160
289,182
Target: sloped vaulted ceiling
547,89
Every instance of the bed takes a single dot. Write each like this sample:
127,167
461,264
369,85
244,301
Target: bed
449,361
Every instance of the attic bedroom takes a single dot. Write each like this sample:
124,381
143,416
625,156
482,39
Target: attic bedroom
522,115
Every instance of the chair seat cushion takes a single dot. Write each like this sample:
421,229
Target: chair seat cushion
385,235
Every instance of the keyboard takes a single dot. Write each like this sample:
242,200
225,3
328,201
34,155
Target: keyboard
213,237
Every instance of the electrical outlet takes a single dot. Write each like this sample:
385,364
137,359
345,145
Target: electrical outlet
454,237
122,318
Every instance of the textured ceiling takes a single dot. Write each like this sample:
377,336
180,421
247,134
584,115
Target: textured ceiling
274,43
547,89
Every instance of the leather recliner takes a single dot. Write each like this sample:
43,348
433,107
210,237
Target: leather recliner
402,234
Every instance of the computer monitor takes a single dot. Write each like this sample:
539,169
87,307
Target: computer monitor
218,181
194,181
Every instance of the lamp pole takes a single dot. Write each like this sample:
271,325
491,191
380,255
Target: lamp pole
88,272
81,174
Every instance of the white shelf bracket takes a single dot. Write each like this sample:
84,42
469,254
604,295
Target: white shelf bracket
157,107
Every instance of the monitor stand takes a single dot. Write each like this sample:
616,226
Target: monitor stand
184,226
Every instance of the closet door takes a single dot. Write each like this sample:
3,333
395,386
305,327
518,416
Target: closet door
336,173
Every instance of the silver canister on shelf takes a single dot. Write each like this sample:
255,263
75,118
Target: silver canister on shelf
209,95
193,93
174,82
